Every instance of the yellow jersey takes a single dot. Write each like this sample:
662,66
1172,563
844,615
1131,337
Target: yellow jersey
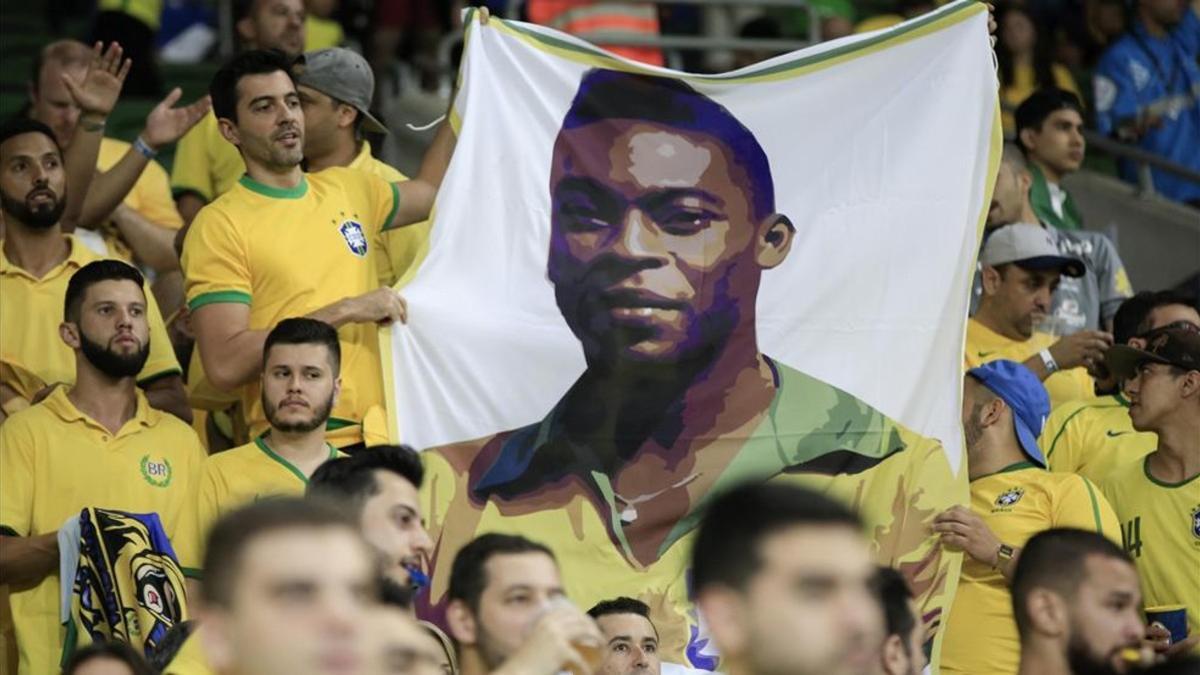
1093,436
228,480
205,163
984,345
322,33
148,12
150,197
398,251
32,342
54,461
288,252
517,482
1160,523
1016,503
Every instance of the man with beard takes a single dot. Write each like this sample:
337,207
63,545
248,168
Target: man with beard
1077,605
1013,497
283,242
1022,268
96,443
38,259
300,382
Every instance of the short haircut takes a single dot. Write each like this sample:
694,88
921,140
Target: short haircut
223,88
115,650
727,551
21,125
1043,103
234,532
1155,300
304,331
1014,157
610,94
351,480
63,53
1055,559
394,594
894,597
468,574
91,274
621,605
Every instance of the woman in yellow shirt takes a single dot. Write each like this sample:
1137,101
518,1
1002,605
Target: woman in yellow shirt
1025,62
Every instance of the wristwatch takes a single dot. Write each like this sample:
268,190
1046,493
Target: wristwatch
1048,361
1004,554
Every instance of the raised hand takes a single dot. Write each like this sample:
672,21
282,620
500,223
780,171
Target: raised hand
166,124
97,92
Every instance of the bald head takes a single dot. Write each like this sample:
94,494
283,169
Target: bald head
50,101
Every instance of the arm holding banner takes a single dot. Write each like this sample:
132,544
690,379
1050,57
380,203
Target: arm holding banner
417,196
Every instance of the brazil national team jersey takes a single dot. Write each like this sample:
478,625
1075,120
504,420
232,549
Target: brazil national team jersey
1161,527
228,480
288,252
812,434
1093,436
985,345
1015,503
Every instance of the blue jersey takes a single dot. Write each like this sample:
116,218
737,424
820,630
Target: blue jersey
1141,76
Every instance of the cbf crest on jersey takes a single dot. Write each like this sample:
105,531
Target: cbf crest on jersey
356,241
1010,497
1196,522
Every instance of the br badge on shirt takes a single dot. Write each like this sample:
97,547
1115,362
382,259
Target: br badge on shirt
355,238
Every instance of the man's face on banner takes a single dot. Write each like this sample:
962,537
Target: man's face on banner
655,250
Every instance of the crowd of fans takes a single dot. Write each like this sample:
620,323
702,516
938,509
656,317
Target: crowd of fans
194,475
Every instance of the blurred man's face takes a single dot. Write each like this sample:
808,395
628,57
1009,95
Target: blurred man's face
519,588
32,180
275,24
810,609
1105,617
1008,197
1059,143
654,249
114,334
1023,297
1156,395
392,524
401,646
631,645
270,124
52,103
103,665
301,606
299,387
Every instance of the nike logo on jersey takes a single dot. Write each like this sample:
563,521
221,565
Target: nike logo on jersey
984,355
1114,434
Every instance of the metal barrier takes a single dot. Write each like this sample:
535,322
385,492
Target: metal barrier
1144,160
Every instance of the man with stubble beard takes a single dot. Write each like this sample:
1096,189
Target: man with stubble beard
300,383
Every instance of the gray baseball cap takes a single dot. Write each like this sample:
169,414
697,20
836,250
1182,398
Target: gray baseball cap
342,74
1031,247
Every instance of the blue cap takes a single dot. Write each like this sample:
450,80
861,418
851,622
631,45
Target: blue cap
1024,394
